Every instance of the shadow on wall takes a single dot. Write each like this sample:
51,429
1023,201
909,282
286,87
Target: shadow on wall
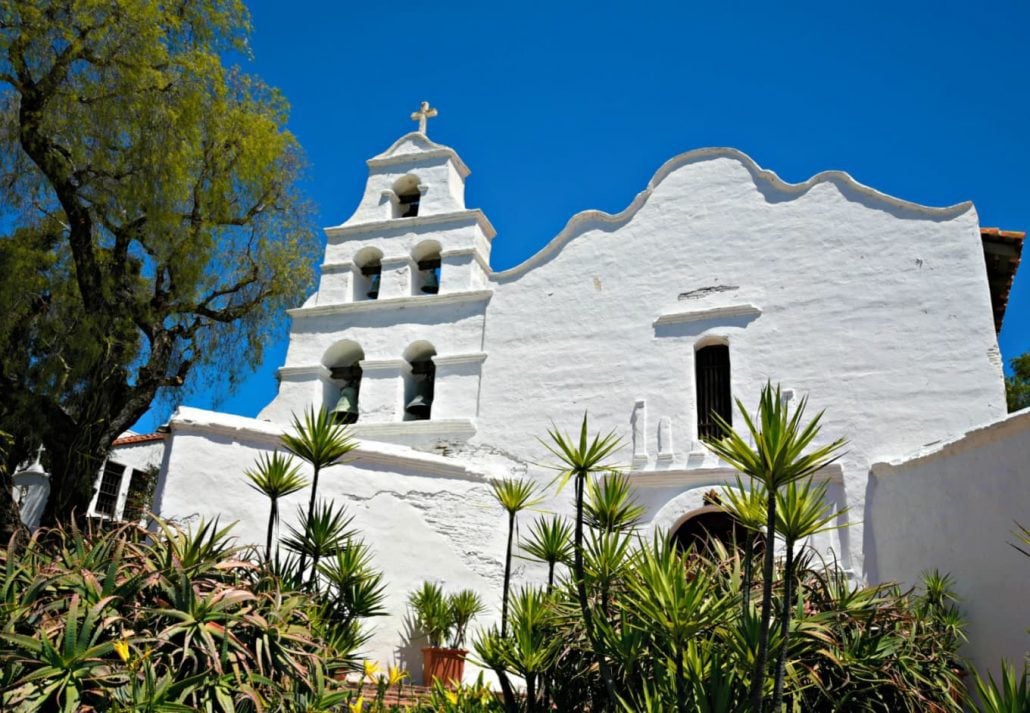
409,654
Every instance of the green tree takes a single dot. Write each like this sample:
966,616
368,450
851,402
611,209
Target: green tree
154,230
1017,386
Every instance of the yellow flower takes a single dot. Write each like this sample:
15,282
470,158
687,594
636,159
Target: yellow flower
452,697
371,668
395,675
122,649
358,706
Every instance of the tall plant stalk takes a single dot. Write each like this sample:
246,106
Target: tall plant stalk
322,442
578,460
776,459
514,496
801,512
275,476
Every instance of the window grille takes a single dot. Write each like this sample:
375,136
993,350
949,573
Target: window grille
712,372
110,484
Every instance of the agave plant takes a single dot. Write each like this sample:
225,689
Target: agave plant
514,496
275,477
777,458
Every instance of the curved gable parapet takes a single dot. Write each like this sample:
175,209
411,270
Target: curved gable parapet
770,185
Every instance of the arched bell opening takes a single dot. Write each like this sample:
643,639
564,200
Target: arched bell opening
368,262
707,525
343,360
408,196
426,276
419,381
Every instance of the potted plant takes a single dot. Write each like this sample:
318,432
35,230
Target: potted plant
444,621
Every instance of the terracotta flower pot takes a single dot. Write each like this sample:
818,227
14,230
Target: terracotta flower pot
447,665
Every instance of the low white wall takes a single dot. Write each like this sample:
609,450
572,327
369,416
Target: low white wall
955,508
424,517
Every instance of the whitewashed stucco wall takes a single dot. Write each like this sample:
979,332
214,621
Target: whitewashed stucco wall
954,508
877,309
423,516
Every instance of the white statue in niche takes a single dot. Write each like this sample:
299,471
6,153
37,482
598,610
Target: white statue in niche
639,422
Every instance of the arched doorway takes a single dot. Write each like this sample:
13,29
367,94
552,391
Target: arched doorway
705,525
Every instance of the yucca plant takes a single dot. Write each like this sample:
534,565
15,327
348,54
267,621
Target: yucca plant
465,606
780,455
747,506
432,613
1009,694
801,512
320,441
514,496
533,645
323,532
610,506
579,459
550,541
275,477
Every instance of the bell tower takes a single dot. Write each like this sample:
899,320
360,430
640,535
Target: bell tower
392,339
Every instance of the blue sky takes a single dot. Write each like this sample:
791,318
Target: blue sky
563,106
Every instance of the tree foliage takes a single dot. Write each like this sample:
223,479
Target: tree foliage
1017,386
154,231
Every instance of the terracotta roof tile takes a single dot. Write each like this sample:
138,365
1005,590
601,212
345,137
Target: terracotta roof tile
140,438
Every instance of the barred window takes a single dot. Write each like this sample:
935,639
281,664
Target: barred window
712,375
110,484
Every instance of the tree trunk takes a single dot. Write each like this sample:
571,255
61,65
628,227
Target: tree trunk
273,514
761,659
311,513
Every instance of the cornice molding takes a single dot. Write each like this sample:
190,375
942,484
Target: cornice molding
383,364
318,370
695,477
697,315
389,303
455,359
433,220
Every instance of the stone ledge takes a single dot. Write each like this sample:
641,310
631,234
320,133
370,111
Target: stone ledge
697,315
393,303
471,215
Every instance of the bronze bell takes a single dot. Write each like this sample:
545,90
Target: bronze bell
431,285
421,404
346,408
373,286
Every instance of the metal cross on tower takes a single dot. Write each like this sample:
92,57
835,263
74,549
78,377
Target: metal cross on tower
422,116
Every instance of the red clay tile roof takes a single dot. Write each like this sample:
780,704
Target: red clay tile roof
1002,250
139,438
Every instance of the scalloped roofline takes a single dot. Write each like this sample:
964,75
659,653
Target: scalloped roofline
431,150
766,181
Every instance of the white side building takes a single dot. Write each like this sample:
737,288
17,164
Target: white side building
717,278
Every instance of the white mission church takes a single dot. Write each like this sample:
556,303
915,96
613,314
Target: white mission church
717,277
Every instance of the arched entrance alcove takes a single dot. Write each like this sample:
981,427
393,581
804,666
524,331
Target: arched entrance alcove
705,525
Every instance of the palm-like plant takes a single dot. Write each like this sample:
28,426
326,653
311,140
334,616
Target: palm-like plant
578,459
1010,694
747,506
465,606
514,496
777,458
275,477
550,541
801,512
533,646
610,506
322,534
320,441
432,612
